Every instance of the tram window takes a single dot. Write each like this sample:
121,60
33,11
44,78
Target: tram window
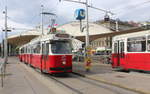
148,44
22,50
47,48
28,49
137,44
61,47
115,48
43,50
37,48
122,47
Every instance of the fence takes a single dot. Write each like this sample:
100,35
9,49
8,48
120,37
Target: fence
105,59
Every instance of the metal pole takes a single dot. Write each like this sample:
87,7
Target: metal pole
42,29
5,43
2,45
88,56
117,26
87,25
2,83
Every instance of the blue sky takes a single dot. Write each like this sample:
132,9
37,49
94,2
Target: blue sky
26,13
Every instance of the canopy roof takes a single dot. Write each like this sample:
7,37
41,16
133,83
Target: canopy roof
22,38
73,28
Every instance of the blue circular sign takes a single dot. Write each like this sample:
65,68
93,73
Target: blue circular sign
80,14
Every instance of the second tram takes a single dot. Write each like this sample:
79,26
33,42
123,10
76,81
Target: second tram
50,53
132,51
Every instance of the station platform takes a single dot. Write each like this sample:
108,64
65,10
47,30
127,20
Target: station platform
20,81
134,81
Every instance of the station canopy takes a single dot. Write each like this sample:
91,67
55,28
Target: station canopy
23,37
73,28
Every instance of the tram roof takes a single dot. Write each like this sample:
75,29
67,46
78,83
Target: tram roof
134,34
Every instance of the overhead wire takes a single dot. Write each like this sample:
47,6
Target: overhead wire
42,2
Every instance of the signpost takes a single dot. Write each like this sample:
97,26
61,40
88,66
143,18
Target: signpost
80,15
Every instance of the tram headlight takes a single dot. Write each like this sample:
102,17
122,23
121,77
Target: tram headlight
64,62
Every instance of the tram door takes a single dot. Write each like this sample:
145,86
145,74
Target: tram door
44,56
119,53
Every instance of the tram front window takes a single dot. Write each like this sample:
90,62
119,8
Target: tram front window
61,47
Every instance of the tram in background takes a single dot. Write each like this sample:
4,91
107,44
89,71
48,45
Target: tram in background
131,51
50,53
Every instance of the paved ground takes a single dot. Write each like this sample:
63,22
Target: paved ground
22,79
19,81
82,85
104,73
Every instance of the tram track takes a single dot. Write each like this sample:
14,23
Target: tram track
82,85
87,84
69,87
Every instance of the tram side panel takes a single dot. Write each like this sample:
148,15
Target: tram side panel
138,61
114,60
36,61
30,59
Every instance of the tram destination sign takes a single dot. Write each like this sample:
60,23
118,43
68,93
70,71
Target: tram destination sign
62,35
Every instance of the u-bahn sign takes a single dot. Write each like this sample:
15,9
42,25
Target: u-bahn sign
80,14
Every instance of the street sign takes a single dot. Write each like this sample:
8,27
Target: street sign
80,14
7,30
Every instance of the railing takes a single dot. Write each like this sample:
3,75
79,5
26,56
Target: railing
105,59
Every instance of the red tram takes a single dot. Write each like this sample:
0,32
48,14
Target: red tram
131,51
50,53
